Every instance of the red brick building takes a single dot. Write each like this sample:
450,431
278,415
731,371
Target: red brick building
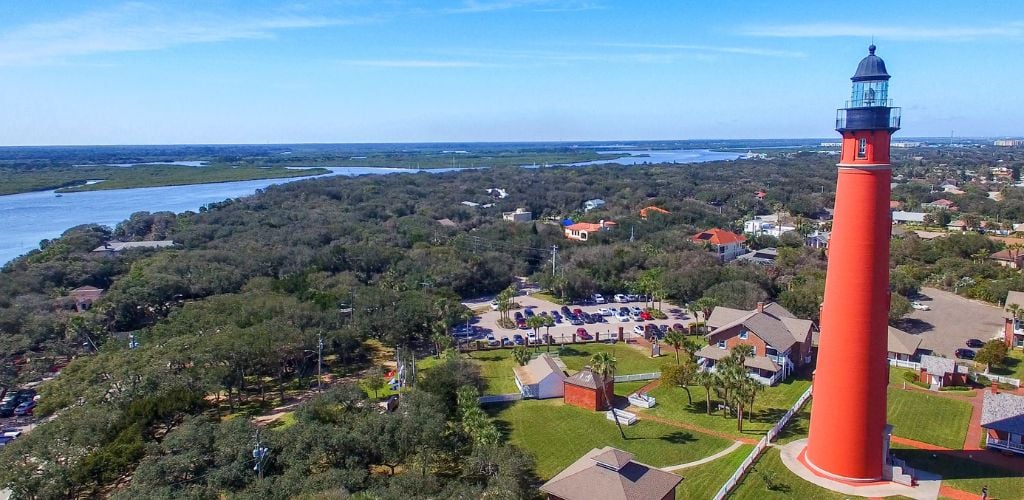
941,372
587,389
1013,328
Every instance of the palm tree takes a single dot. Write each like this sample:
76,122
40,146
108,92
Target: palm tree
1015,313
521,355
1014,249
535,322
548,323
675,339
708,382
706,305
440,337
603,364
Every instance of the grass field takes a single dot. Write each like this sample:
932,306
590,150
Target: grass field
496,365
1013,365
769,407
557,435
790,485
964,474
929,418
702,481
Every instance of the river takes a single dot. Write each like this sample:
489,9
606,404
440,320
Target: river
28,218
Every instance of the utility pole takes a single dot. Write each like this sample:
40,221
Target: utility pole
319,361
554,258
259,455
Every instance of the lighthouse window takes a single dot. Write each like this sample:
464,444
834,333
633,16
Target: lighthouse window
862,149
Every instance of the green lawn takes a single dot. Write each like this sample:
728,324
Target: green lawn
496,365
702,481
769,407
964,474
557,435
624,389
1013,365
929,418
790,485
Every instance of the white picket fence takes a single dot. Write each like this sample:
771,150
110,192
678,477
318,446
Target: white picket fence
761,445
637,377
997,378
904,364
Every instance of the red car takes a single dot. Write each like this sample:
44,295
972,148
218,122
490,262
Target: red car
646,316
578,311
582,333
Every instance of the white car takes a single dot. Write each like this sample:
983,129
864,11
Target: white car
621,299
635,311
599,299
491,340
632,298
621,316
638,329
920,307
604,311
533,338
494,305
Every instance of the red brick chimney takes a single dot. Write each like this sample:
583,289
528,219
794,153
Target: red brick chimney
995,388
760,307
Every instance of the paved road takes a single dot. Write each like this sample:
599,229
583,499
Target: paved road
951,321
562,332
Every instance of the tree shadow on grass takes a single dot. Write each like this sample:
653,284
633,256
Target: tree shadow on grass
486,358
678,437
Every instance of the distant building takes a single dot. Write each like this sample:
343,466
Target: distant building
941,204
726,244
818,239
1013,332
958,225
541,378
581,231
764,256
901,217
520,215
766,225
646,211
497,192
1008,142
115,247
593,204
895,205
903,346
1013,259
611,474
472,204
1002,417
84,296
906,144
588,389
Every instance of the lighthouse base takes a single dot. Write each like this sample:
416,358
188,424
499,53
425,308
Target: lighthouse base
926,485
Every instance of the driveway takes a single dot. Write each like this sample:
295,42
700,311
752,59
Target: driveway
562,332
951,321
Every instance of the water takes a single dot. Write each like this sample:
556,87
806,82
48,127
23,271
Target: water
640,157
179,163
28,218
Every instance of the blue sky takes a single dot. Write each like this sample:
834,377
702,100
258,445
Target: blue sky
260,71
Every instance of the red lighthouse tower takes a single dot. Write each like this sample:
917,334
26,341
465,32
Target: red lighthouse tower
848,434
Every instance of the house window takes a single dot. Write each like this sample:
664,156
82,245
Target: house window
753,350
862,149
770,351
721,344
743,334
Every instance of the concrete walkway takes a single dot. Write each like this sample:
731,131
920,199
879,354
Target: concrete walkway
927,484
704,460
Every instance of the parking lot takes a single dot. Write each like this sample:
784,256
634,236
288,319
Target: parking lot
487,322
951,321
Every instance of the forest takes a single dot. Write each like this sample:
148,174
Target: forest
229,319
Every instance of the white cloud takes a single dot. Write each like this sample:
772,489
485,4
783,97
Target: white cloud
751,51
889,32
141,27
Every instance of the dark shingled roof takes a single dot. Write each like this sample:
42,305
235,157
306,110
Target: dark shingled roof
586,378
592,477
871,67
1003,412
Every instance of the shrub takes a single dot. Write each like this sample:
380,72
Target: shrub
910,377
955,388
656,314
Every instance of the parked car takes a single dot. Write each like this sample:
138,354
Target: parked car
556,316
620,298
565,311
598,318
599,299
604,311
964,354
588,318
622,316
521,323
664,328
505,341
646,316
518,316
975,343
529,313
533,337
494,305
25,408
492,341
920,306
679,327
583,334
632,298
635,310
7,409
639,329
518,339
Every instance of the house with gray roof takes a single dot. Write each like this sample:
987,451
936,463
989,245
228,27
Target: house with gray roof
541,378
902,345
941,372
1002,417
781,342
116,247
611,474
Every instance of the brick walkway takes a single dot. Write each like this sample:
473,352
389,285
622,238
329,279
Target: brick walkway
955,494
691,427
649,387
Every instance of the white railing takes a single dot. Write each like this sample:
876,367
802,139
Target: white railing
637,377
1006,445
904,364
761,445
1001,379
625,417
642,400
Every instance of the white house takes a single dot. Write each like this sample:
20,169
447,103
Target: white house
520,215
593,204
725,244
766,224
541,378
1002,417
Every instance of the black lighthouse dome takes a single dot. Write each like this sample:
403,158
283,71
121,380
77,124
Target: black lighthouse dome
871,67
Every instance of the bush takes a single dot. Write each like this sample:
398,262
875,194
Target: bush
910,377
656,314
955,388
